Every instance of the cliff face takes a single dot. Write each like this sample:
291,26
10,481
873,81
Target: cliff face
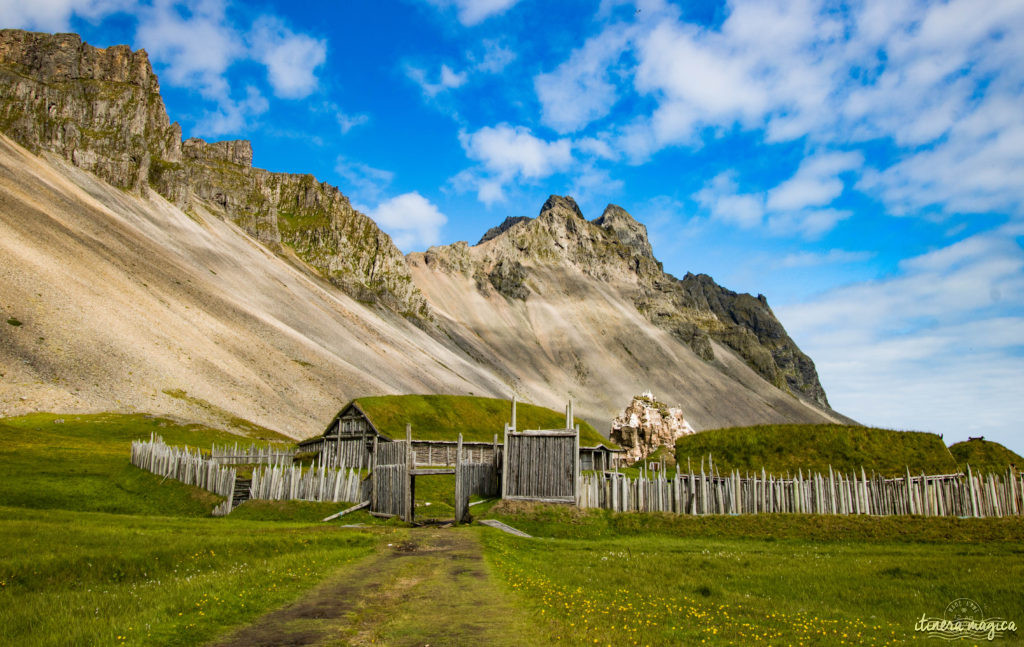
98,108
101,110
614,249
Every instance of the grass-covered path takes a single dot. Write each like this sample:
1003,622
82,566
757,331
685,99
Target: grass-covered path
431,589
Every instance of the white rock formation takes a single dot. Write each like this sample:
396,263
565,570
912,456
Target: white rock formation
646,424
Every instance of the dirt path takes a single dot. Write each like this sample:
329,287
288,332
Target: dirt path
433,589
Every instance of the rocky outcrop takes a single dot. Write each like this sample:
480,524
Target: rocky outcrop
645,425
101,110
98,108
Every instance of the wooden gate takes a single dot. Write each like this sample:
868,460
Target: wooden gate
541,465
473,478
391,493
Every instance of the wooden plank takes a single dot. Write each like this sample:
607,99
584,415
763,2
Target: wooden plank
358,506
429,471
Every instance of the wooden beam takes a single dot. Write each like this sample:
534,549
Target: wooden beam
358,506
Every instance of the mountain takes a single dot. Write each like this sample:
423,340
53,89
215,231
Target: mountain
149,273
583,307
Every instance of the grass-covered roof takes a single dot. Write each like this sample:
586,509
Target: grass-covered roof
985,455
444,417
787,448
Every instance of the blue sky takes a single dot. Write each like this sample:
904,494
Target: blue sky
860,164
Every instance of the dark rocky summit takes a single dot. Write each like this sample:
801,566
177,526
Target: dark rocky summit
101,110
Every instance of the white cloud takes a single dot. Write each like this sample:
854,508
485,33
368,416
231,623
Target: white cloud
514,151
940,82
831,257
492,59
348,122
495,58
291,59
411,220
810,224
55,15
937,347
507,153
447,79
797,206
579,90
232,116
816,182
195,42
720,198
361,181
474,12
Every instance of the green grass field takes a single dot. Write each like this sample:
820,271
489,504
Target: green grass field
443,417
94,551
782,449
635,579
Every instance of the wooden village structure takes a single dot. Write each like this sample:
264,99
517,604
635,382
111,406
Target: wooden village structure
348,442
538,465
354,461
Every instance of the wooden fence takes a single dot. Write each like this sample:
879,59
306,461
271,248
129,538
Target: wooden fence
280,483
235,455
959,495
183,465
347,452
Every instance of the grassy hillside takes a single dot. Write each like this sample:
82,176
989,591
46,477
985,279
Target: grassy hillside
444,417
985,455
787,448
94,551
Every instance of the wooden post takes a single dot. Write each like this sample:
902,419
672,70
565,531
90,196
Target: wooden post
513,423
576,461
461,500
504,466
410,463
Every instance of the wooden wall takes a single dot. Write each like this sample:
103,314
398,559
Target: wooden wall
541,466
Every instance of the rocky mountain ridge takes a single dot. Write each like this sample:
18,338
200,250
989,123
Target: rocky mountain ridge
614,248
101,110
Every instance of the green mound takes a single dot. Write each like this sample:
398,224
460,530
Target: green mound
82,463
985,455
781,449
444,417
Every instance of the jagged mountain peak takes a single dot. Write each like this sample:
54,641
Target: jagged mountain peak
561,207
626,229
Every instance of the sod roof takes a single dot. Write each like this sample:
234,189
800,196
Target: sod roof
444,417
787,448
985,456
